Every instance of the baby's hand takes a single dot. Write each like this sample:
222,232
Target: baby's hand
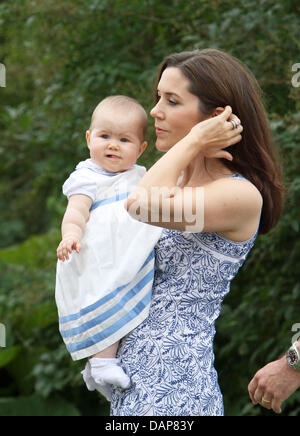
66,246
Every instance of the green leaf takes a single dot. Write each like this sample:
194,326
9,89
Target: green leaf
8,355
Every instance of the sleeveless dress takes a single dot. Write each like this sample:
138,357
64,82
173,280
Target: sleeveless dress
169,356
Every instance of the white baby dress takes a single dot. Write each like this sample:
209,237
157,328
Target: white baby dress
104,291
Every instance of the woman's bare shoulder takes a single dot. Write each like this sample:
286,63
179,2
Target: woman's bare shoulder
238,185
232,207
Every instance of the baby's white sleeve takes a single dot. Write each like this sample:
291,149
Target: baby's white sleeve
82,181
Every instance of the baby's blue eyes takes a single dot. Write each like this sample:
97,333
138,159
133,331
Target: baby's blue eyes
104,136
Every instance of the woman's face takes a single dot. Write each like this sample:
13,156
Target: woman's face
176,111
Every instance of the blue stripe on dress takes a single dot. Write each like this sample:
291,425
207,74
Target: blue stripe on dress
113,328
118,306
102,300
117,197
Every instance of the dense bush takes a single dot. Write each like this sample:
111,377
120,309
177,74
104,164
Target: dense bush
61,58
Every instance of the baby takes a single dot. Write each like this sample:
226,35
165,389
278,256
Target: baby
106,259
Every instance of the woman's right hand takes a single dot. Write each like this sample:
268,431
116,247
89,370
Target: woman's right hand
216,133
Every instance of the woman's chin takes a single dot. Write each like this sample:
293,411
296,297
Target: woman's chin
162,145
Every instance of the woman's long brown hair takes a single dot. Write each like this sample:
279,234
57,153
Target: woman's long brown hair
218,79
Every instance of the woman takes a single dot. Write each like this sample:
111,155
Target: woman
169,357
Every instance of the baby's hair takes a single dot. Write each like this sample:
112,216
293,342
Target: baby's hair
128,103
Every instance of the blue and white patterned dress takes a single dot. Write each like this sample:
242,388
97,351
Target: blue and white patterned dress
169,356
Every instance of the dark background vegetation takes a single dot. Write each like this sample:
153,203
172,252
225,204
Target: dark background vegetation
61,58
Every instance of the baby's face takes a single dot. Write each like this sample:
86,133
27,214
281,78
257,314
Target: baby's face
116,139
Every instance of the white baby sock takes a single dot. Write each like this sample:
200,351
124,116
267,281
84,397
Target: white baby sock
102,387
109,371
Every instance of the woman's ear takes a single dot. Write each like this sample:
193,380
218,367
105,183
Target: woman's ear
217,111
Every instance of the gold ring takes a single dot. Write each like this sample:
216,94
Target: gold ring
265,401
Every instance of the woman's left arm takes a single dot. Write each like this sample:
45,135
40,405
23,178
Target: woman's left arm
221,206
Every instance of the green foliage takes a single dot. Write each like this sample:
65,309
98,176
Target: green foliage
26,406
61,59
35,365
33,252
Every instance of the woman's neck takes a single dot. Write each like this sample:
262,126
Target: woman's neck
202,171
